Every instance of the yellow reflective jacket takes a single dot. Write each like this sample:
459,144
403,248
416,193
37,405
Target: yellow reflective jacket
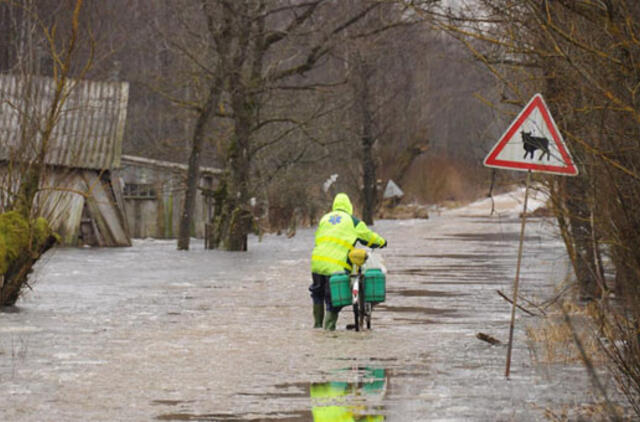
331,403
337,233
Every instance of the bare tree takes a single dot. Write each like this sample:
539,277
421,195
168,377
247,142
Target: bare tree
24,158
261,48
582,55
381,94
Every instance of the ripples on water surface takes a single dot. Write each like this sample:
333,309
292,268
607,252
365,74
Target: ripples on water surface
150,333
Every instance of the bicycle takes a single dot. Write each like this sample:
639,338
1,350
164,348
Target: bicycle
363,305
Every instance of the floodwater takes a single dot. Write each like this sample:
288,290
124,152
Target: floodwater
149,333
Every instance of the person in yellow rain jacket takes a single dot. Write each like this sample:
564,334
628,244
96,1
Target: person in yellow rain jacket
337,233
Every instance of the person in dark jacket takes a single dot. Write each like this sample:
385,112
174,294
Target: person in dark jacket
336,235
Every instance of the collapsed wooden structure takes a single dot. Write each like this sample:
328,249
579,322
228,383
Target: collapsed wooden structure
80,195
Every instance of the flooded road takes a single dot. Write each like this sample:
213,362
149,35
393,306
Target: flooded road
149,333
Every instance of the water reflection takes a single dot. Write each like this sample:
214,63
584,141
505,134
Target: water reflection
345,401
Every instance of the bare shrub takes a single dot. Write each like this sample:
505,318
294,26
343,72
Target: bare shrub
621,344
552,341
290,203
434,179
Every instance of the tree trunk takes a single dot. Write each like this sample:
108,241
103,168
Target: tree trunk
234,222
30,239
240,164
576,198
369,189
193,172
586,256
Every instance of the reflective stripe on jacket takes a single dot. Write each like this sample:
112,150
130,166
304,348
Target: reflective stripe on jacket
336,235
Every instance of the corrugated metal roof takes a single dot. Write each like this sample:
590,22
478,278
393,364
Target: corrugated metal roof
88,132
149,162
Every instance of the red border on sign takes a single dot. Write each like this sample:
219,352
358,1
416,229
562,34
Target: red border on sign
536,102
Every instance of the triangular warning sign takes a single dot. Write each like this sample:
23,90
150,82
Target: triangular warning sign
532,142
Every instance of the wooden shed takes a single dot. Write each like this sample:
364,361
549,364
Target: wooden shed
154,193
79,195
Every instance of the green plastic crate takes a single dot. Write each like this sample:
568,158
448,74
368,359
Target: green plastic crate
374,286
340,290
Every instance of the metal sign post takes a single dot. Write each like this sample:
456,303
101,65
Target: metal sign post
517,280
535,133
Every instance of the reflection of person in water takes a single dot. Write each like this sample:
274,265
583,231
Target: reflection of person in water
331,402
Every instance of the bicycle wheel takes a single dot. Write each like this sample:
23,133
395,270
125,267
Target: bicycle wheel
361,305
356,316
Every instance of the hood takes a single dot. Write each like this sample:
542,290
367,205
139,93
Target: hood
342,203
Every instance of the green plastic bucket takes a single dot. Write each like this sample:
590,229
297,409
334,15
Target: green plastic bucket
374,286
340,290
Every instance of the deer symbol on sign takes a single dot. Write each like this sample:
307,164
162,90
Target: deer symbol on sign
531,143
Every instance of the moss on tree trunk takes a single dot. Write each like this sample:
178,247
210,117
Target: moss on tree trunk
231,223
22,242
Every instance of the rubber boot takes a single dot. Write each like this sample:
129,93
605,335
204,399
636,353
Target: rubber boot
318,315
330,320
